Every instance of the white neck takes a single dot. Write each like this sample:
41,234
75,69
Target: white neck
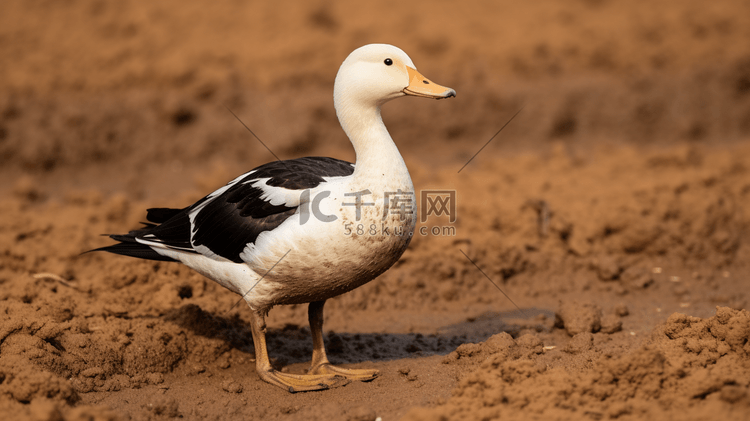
377,155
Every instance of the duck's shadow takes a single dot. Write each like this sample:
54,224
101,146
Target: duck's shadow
292,344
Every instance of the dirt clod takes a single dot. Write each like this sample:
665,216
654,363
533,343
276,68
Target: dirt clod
231,386
576,317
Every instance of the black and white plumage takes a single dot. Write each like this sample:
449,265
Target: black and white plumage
308,229
227,220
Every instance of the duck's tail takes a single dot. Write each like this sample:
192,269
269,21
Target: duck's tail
128,244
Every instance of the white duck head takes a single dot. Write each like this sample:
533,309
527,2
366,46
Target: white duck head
371,76
377,73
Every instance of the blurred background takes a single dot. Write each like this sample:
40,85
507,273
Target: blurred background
622,183
118,94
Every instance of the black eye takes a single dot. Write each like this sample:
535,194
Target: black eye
388,62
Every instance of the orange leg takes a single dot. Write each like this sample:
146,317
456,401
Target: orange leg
290,382
320,363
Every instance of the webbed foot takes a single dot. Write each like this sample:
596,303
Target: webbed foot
303,382
363,375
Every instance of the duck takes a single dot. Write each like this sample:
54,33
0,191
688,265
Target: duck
308,229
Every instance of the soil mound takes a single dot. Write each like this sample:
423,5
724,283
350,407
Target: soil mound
690,368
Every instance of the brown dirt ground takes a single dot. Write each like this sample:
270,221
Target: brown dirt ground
612,210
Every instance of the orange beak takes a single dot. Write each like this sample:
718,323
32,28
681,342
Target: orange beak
421,86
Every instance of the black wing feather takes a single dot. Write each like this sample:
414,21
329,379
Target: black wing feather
236,218
161,215
233,219
129,247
